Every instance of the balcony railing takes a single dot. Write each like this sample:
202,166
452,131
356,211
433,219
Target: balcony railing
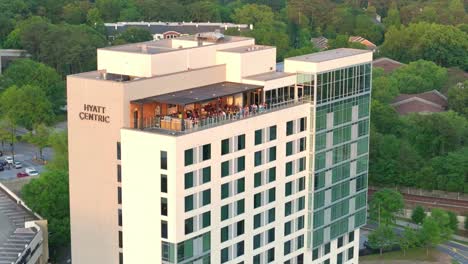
171,125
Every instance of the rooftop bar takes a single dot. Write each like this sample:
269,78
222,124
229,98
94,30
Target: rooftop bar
201,107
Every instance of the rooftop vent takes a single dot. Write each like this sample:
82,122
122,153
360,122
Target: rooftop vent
211,36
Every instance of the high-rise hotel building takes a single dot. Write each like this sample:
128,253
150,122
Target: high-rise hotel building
196,150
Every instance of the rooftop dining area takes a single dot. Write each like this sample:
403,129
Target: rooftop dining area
201,107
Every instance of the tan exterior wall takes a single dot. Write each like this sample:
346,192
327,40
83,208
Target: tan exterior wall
126,63
93,170
260,61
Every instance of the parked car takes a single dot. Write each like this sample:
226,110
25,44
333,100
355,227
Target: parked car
18,165
31,171
21,174
9,159
3,163
1,153
2,168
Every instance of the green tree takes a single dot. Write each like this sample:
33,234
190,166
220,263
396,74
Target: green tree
385,118
382,238
48,196
409,239
449,172
27,106
133,35
162,10
436,134
385,204
393,18
28,72
466,222
453,221
76,13
384,88
53,204
418,214
458,98
366,28
258,15
442,218
109,9
39,138
202,11
442,44
430,233
420,76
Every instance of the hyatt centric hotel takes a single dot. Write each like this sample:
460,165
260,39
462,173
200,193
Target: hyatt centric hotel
198,150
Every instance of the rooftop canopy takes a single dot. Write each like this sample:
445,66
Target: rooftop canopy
200,94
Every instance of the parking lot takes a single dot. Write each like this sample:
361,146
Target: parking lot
25,154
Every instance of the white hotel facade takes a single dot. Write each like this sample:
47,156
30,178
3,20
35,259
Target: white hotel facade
165,167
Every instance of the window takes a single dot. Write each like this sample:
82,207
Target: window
225,168
289,128
120,258
224,233
288,208
206,219
302,124
188,203
119,173
241,185
289,148
163,229
339,259
351,237
271,255
257,179
257,200
287,228
206,197
240,227
188,180
271,235
163,206
288,189
240,249
120,217
225,146
302,164
206,152
340,242
302,144
224,212
225,190
258,158
271,215
120,239
272,174
272,133
287,248
119,151
315,254
240,207
164,183
241,164
163,160
224,255
272,154
188,157
188,225
326,249
289,168
257,242
206,174
119,195
258,137
271,195
257,220
362,146
350,253
320,141
319,181
241,142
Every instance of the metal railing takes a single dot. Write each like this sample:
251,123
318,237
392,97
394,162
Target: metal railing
179,125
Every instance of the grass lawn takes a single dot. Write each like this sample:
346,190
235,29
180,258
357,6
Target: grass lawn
455,75
415,254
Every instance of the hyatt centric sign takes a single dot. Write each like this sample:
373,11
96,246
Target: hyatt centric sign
94,113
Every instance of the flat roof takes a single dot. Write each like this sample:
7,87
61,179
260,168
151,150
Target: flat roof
267,76
329,55
200,94
13,235
166,45
245,49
